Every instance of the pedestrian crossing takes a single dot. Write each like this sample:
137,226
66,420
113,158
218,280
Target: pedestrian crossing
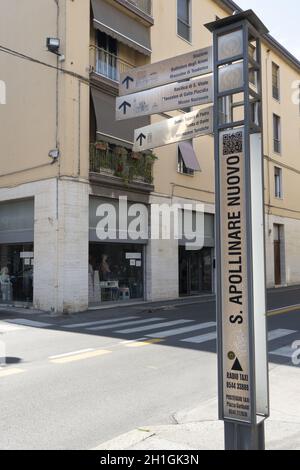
155,330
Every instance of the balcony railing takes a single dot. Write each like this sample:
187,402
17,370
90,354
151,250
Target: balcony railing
108,65
277,146
120,162
143,5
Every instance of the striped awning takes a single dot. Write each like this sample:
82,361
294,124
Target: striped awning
115,23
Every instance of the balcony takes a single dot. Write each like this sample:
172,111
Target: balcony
142,8
144,5
121,166
108,65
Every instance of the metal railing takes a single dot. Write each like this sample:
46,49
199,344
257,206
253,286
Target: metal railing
277,146
143,5
120,162
276,94
184,29
108,65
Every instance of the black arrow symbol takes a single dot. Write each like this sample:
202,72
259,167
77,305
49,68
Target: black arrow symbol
140,138
127,80
124,106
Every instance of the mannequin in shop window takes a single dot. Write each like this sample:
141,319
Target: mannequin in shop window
104,268
6,285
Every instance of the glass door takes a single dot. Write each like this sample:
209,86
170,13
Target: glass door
195,271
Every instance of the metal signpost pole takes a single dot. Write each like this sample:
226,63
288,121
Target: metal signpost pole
240,253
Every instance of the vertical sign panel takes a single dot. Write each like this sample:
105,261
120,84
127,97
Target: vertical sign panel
258,270
235,322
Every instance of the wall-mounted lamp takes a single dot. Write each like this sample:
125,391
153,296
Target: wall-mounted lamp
53,45
54,154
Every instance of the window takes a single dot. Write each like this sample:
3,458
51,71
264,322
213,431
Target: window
107,61
182,168
183,19
225,109
277,133
275,81
252,72
278,182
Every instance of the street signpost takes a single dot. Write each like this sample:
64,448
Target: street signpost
240,233
183,67
169,131
235,88
166,98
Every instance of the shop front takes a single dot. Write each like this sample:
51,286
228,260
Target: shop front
16,252
117,264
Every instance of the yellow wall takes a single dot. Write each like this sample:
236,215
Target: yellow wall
32,123
166,43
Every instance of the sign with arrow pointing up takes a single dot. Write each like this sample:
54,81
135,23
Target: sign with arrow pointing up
184,127
183,67
166,98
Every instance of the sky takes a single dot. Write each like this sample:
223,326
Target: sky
281,18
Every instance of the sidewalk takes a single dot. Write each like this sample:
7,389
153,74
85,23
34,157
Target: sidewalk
292,294
199,429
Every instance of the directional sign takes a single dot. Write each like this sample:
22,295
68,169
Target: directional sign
184,127
166,98
183,67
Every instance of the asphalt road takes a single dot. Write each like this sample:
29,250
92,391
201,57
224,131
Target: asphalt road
73,387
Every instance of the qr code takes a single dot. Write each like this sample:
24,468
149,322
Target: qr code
233,143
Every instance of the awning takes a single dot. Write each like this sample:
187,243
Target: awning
189,156
110,130
122,27
17,221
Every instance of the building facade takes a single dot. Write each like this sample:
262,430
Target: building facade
64,159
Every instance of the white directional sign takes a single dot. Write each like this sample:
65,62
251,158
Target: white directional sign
183,67
166,98
169,131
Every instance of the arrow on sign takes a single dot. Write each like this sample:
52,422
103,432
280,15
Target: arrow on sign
127,80
140,138
124,106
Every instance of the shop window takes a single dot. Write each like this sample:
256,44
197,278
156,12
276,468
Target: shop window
116,272
16,273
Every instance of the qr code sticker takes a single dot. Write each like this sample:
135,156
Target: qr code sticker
233,143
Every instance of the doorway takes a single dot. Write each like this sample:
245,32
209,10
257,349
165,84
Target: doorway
278,254
195,271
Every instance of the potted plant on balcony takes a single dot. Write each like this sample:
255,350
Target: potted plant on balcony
100,145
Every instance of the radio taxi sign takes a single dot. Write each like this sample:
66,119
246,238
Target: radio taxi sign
186,66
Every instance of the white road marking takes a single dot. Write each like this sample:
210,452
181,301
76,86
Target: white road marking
286,351
99,322
157,325
4,328
80,356
26,322
71,353
201,339
178,331
280,333
117,325
124,343
10,371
